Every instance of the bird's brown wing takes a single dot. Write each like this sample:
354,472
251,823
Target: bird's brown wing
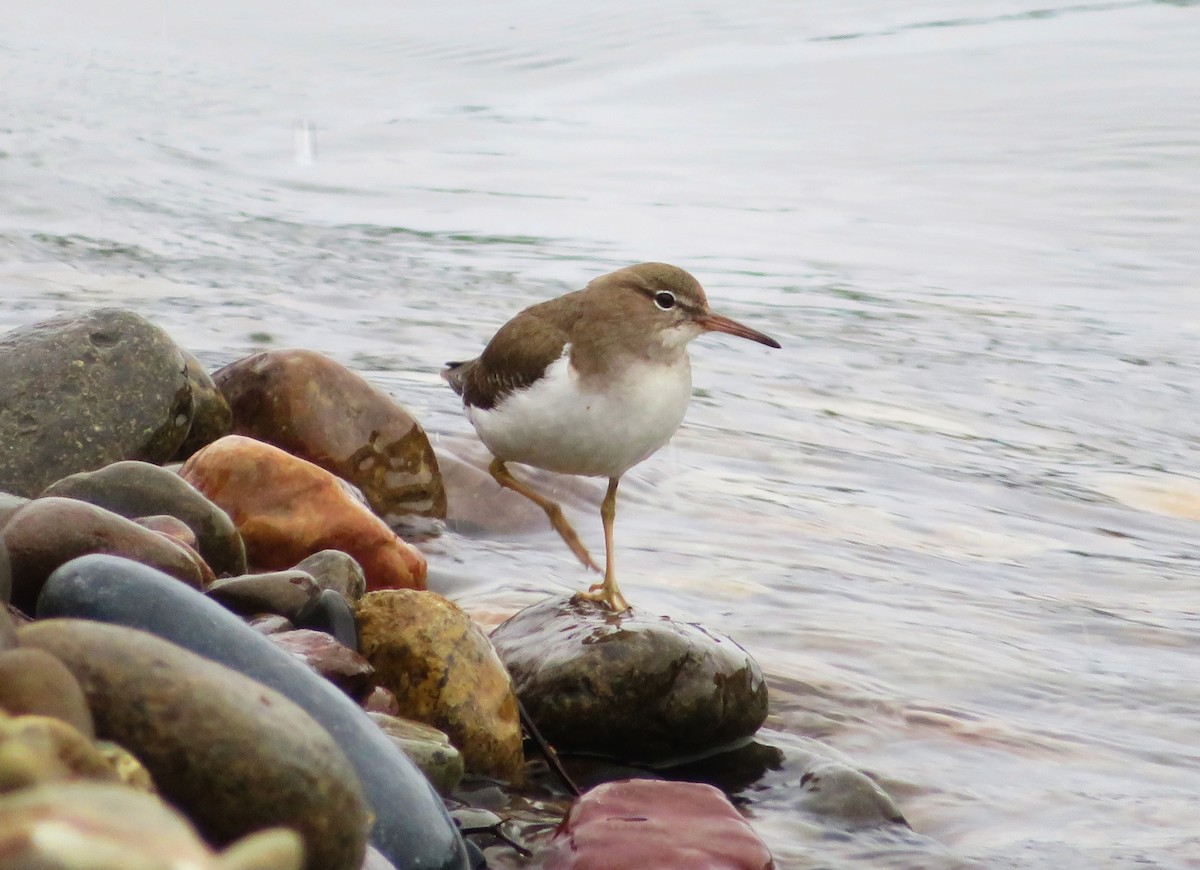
518,354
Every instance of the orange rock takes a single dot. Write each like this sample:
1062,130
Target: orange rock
287,509
654,825
316,408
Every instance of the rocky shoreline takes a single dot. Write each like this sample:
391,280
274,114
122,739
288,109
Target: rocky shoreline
217,648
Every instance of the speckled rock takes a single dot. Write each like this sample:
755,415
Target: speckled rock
139,489
282,592
95,826
288,509
37,749
654,825
443,671
36,683
211,416
316,408
336,570
248,759
334,661
48,532
429,749
411,824
119,392
633,686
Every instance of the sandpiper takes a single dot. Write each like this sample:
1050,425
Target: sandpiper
590,383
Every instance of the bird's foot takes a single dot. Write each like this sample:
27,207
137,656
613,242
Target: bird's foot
607,594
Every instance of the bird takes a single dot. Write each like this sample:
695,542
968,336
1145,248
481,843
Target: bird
590,383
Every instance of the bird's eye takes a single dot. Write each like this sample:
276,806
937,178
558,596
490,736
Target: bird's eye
664,299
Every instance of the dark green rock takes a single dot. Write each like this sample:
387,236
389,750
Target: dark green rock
633,686
140,489
80,391
211,416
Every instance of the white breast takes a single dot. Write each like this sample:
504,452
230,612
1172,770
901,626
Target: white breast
561,423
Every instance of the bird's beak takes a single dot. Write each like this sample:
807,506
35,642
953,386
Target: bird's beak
711,322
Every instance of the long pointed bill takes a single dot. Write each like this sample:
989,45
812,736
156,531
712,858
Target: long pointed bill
720,323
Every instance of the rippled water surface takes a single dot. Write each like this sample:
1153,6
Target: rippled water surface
955,518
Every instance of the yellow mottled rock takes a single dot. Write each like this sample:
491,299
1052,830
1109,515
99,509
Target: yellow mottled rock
38,749
443,670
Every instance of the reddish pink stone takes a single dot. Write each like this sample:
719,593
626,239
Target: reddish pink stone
287,509
655,825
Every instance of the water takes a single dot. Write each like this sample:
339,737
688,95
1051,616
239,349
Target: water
955,517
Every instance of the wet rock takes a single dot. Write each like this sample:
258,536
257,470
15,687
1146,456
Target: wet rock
331,613
282,592
336,570
443,671
139,489
334,661
94,826
837,791
211,416
632,686
288,509
270,623
8,506
8,626
654,825
411,827
315,408
119,391
248,758
172,527
48,532
37,749
5,588
429,749
34,682
380,700
125,764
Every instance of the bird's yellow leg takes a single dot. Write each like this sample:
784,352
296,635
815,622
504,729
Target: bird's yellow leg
503,476
607,591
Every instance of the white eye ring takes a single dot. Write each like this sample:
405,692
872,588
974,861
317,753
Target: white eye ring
664,299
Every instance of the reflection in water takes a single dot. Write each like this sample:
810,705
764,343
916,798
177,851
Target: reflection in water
954,520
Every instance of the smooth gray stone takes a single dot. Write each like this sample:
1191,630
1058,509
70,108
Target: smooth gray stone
412,827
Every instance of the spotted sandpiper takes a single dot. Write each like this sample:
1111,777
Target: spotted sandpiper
590,383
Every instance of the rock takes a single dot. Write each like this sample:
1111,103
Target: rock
837,791
654,825
411,827
429,749
139,489
48,532
313,407
443,671
5,591
8,626
334,661
248,757
128,768
81,391
34,682
270,623
9,504
336,570
172,527
633,686
380,700
95,826
282,592
211,416
331,613
287,509
37,749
